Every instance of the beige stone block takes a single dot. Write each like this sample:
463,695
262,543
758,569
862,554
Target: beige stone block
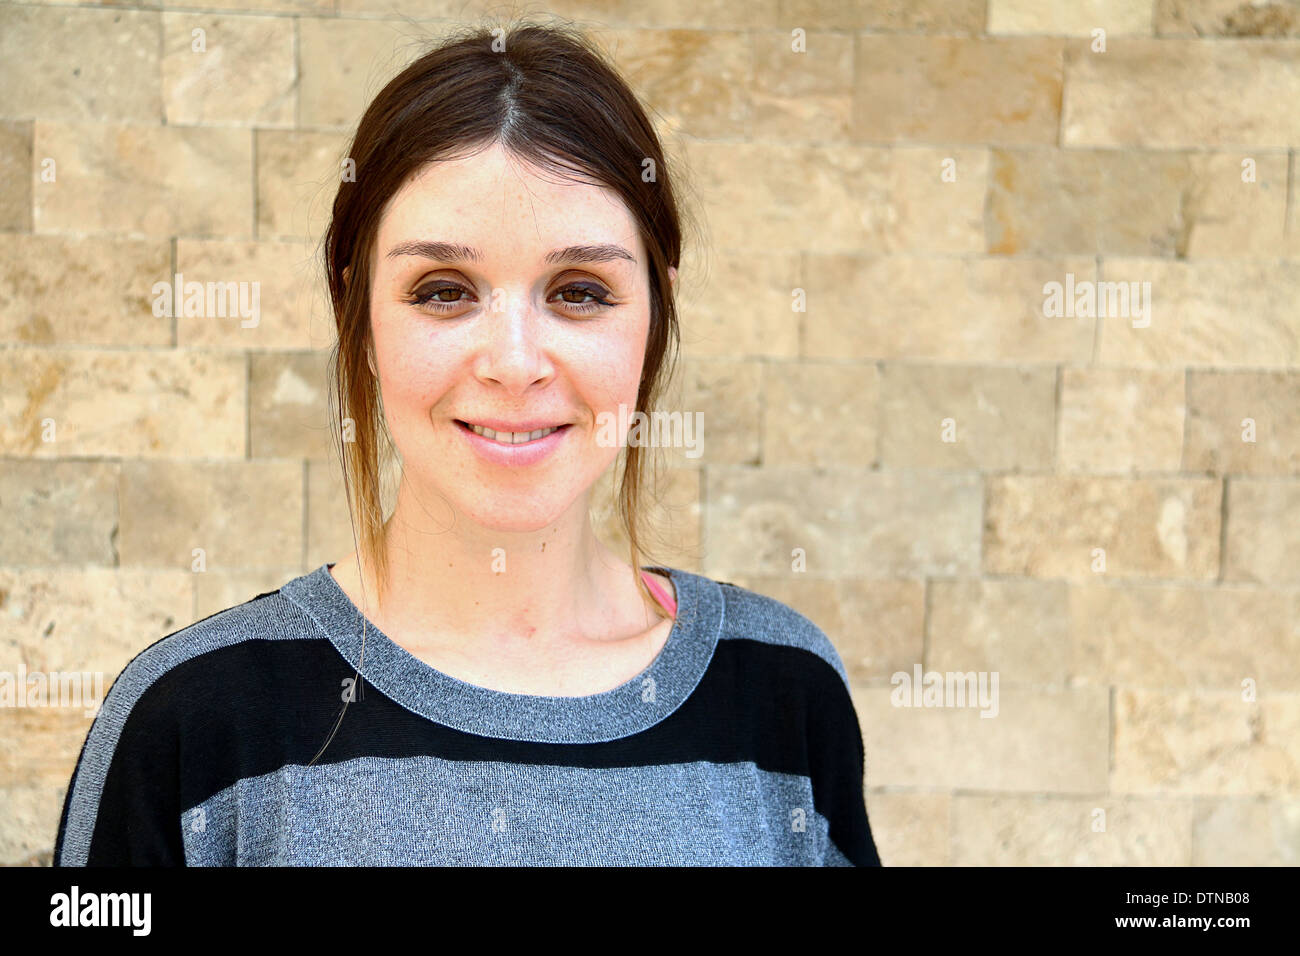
738,304
1230,831
846,522
1291,237
265,295
241,514
1042,739
298,175
962,416
1129,203
927,16
1227,94
58,513
910,828
945,89
1216,313
288,406
79,64
29,823
778,197
1243,422
39,745
895,609
218,590
144,404
87,620
1019,628
804,93
961,310
1052,526
820,413
1262,540
58,290
228,70
15,175
670,532
725,395
1227,214
593,15
1048,830
258,6
1216,744
343,64
701,83
1121,420
145,180
1071,17
1234,18
1184,637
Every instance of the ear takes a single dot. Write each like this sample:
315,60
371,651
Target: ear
672,277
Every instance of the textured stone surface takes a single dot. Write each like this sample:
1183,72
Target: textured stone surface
137,404
1227,94
58,290
935,89
1040,740
1070,831
1212,743
1060,527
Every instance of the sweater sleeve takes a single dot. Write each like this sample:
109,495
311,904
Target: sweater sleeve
838,762
123,802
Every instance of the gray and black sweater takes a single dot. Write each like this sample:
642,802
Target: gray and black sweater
738,746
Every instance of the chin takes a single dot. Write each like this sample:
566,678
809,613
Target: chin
511,513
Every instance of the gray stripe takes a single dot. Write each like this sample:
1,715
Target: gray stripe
427,811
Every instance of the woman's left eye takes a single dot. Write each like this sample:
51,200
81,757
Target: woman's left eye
431,297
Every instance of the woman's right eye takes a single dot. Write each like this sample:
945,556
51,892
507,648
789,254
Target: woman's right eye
433,297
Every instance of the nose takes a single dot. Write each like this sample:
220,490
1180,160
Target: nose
512,350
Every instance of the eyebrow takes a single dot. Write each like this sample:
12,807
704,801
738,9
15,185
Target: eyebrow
454,252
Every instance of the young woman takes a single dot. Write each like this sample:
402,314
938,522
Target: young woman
482,681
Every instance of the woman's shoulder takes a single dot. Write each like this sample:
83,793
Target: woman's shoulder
753,616
187,664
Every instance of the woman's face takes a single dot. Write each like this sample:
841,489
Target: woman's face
483,311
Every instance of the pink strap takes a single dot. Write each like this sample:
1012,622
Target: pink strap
658,591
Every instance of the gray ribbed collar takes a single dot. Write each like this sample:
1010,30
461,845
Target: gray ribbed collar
640,703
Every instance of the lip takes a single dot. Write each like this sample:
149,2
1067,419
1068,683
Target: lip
514,456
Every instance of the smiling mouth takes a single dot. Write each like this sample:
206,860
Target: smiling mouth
509,438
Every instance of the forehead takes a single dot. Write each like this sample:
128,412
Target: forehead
501,204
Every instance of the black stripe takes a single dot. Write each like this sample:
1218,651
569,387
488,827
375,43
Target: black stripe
253,707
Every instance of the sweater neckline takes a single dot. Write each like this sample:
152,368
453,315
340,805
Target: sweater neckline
633,706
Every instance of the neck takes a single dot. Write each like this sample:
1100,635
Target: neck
450,579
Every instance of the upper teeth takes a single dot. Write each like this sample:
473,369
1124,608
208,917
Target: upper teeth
512,438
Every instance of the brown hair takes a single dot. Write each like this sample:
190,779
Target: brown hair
548,95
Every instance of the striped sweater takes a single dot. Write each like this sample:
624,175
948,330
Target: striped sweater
737,746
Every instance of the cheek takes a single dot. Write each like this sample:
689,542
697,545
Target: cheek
412,368
611,374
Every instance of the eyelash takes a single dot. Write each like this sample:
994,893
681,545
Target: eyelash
426,299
